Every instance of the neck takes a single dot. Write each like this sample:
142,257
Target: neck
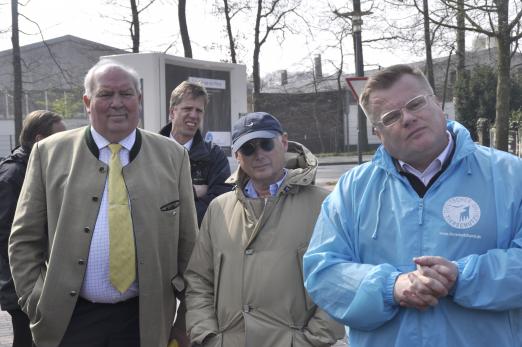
180,138
263,191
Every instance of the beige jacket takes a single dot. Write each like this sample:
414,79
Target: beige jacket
56,214
245,282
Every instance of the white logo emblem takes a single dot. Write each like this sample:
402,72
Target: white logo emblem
251,124
461,212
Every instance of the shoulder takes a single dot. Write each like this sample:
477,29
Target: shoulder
224,201
160,142
499,160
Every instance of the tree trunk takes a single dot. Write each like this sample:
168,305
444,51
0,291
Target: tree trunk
231,42
461,49
362,134
17,70
184,29
135,27
257,50
427,41
503,82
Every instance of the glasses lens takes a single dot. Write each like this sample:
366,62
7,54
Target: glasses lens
248,149
267,144
391,117
416,103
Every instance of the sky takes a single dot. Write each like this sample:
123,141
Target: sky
96,21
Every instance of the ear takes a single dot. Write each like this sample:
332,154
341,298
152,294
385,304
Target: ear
86,102
171,113
378,133
236,154
284,141
38,137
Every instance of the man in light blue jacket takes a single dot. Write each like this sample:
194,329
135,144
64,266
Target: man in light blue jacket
421,246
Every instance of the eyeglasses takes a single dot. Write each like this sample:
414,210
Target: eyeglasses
414,105
250,147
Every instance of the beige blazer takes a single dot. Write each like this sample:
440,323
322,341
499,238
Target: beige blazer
55,218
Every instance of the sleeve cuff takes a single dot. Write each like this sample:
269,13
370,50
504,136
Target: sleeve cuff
389,298
460,267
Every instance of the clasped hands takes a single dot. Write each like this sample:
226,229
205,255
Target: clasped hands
434,278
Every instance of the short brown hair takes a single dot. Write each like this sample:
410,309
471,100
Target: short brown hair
186,88
384,79
38,122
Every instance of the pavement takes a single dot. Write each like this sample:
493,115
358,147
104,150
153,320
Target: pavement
6,331
349,159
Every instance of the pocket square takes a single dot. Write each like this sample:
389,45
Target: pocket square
170,206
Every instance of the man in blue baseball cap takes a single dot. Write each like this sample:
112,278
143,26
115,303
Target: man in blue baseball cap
245,284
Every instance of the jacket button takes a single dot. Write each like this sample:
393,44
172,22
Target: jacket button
94,198
86,229
249,251
247,308
81,261
101,169
73,293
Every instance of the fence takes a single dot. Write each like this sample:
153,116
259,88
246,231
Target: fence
7,143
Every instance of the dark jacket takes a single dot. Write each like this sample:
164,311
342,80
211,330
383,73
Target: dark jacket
208,165
12,173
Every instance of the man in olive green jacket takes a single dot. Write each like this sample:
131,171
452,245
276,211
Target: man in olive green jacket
245,284
59,245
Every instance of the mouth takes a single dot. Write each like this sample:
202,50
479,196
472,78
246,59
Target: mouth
118,116
191,124
415,133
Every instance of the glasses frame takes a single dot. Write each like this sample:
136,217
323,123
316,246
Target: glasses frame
381,123
266,144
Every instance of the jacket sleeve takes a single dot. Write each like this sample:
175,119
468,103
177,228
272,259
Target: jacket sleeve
188,222
357,294
201,316
28,240
487,281
10,185
322,330
219,171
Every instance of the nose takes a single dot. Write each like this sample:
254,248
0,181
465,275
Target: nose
407,117
116,100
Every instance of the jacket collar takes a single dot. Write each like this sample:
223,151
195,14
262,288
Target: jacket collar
93,148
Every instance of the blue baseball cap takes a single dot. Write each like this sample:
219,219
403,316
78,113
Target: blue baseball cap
256,125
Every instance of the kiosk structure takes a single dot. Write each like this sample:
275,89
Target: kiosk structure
160,73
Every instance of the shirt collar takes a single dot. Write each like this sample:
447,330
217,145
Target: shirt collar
187,145
439,161
102,142
250,191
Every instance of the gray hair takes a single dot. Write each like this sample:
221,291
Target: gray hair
105,65
384,79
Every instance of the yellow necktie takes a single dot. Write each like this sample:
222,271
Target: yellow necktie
122,248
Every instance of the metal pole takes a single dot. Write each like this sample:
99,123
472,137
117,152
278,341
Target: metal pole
359,70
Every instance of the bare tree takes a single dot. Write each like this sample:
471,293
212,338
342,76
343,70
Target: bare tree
17,69
427,40
185,38
134,22
135,27
493,20
270,17
230,9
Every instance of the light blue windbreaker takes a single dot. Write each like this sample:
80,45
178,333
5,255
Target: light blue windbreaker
373,224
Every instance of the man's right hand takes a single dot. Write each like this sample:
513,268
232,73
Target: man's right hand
416,290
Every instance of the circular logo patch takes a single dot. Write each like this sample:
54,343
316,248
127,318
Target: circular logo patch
461,212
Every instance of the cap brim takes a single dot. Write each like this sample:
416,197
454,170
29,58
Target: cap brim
262,134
